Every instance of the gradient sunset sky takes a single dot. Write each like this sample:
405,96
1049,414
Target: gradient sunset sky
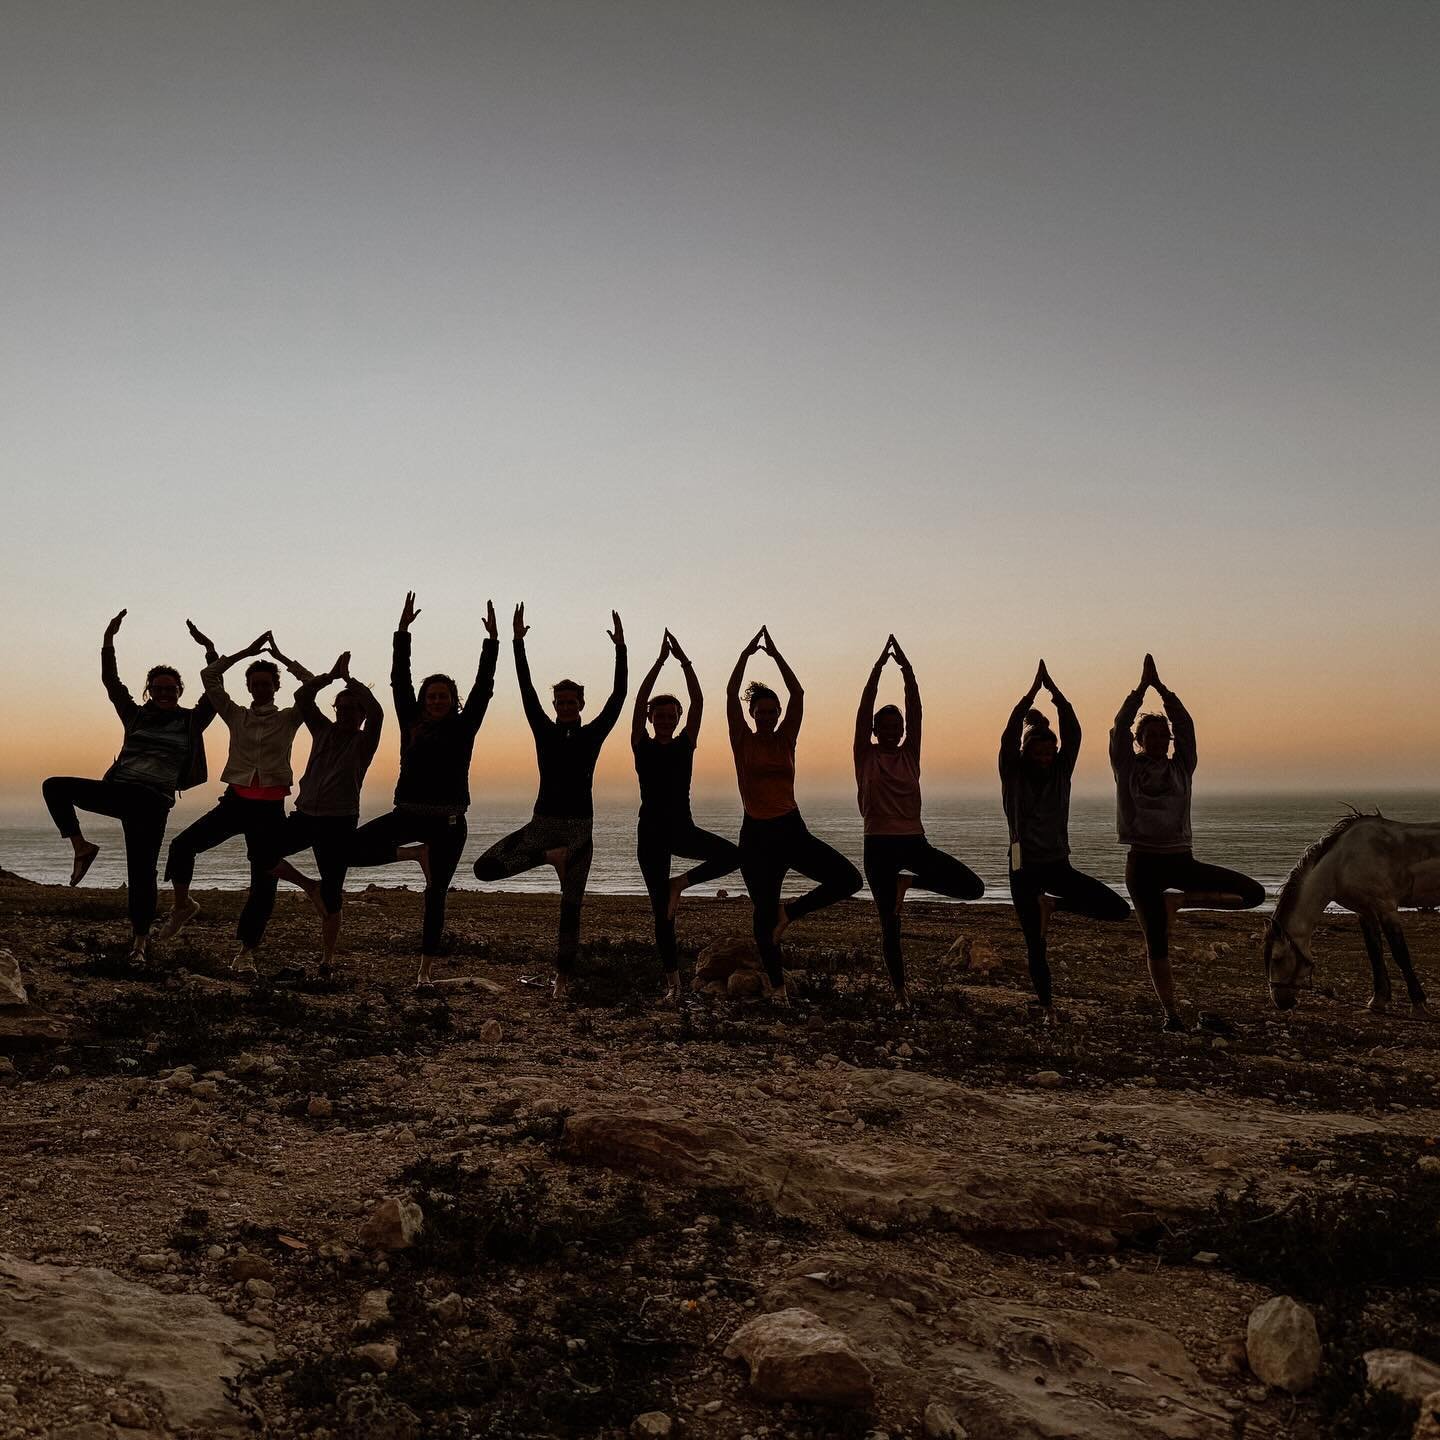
1071,330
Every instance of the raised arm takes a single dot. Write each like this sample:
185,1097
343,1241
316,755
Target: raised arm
293,666
1010,735
642,695
1181,725
1122,739
212,676
865,713
1069,723
696,709
477,702
795,703
604,722
529,700
315,719
734,710
120,697
912,698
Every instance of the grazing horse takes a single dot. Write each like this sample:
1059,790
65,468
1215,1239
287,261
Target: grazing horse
1367,864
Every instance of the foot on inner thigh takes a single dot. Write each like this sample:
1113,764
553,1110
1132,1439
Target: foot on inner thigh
85,854
902,884
1173,901
781,925
420,854
1047,906
557,859
677,888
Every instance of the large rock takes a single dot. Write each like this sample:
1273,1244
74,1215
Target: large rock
394,1224
721,959
1408,1375
1427,1427
1022,1203
12,987
794,1355
183,1348
1283,1345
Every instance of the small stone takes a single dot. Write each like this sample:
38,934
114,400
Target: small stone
379,1357
128,1415
374,1312
491,1033
794,1355
1408,1375
394,1224
205,1090
7,1065
1047,1079
152,1263
12,987
320,1108
1428,1164
179,1080
940,1423
259,1289
1427,1427
1089,1282
214,1252
1205,1257
1283,1345
450,1310
251,1267
652,1425
128,1165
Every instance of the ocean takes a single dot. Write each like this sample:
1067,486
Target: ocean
1259,834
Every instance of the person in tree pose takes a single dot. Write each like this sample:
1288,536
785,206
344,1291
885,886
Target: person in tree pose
327,809
773,837
162,752
887,778
437,738
1035,774
561,831
1152,794
663,762
257,778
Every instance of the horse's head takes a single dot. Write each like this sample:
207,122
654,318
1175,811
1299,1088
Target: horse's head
1288,969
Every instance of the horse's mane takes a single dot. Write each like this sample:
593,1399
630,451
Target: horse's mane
1290,891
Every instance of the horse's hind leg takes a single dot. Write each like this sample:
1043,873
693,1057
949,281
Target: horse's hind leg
1401,951
1375,949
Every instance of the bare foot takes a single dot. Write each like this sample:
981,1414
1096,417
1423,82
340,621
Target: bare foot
140,951
779,996
312,893
902,884
244,962
426,976
1046,907
677,889
902,1001
184,912
671,998
84,859
781,925
1378,1006
560,986
1047,1015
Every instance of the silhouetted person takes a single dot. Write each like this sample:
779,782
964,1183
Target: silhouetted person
327,808
561,831
887,779
432,793
162,752
1152,793
257,778
1035,774
773,837
664,762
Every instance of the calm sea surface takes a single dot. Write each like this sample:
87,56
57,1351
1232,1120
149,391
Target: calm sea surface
1261,835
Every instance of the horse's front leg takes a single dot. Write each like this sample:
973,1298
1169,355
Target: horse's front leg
1375,949
1401,951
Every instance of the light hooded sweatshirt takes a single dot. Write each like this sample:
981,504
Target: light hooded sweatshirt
261,736
1152,797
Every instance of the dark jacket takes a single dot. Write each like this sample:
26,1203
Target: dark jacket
137,719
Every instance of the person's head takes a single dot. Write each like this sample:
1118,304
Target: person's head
439,697
664,712
349,713
764,707
164,687
889,726
262,680
1152,736
568,700
1037,740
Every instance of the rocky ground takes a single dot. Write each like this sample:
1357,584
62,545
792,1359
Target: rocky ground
344,1210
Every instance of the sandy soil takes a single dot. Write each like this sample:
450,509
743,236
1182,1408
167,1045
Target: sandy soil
1005,1218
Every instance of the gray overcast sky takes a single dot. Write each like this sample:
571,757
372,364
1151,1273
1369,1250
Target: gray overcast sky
1072,329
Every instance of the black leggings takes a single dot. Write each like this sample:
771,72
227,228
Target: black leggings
142,813
656,845
1149,874
260,822
768,848
886,856
1073,892
526,849
331,838
376,842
